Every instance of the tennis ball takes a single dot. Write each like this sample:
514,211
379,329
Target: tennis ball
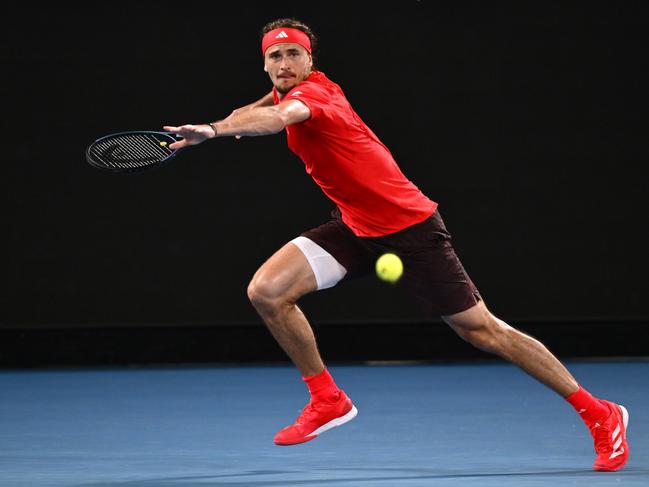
163,143
389,267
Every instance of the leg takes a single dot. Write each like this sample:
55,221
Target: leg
438,281
483,330
296,269
606,420
274,291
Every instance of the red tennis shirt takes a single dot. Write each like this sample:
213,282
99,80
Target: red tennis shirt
350,164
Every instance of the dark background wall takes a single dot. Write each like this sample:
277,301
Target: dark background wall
526,121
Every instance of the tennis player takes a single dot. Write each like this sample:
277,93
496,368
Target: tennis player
377,210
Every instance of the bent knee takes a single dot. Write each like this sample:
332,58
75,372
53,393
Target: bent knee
483,338
484,331
263,292
490,338
267,293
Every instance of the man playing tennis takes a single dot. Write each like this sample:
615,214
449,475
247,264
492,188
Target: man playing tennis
378,210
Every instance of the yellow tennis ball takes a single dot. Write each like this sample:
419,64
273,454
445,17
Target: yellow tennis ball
163,143
389,267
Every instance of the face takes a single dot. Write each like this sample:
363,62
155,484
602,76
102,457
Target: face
287,65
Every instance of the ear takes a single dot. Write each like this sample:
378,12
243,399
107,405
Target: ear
265,68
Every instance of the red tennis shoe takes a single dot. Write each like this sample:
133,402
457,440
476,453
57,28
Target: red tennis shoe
316,418
610,439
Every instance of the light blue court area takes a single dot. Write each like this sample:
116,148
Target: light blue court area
418,425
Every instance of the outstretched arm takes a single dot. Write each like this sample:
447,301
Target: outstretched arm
252,120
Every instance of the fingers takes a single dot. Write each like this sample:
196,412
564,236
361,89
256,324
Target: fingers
178,145
175,130
183,129
191,134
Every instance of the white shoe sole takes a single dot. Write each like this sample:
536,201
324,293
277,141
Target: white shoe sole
335,422
625,417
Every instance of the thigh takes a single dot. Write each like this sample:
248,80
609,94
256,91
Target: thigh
347,249
318,259
286,273
433,274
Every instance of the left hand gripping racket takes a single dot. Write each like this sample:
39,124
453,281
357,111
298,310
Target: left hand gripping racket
128,152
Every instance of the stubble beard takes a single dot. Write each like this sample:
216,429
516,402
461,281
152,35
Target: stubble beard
284,89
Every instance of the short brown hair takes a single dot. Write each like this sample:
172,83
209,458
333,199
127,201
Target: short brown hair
293,23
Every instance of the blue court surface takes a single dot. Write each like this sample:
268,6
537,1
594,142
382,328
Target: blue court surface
418,425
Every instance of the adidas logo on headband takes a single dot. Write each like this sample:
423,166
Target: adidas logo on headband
285,34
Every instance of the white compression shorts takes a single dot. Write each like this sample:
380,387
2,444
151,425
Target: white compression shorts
327,270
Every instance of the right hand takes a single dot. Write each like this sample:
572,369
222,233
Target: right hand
191,134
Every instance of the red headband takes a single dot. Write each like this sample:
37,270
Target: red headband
285,34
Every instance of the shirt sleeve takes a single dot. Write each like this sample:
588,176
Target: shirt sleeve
312,95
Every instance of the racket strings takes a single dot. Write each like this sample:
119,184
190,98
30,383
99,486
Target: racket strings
130,151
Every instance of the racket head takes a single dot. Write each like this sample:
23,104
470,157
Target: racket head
130,152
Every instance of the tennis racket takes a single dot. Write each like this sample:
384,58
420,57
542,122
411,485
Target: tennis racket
128,152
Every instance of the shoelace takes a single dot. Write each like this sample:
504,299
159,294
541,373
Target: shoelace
602,441
310,410
307,412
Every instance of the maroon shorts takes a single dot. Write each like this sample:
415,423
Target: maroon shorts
433,274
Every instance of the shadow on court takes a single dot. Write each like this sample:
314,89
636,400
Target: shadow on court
393,476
